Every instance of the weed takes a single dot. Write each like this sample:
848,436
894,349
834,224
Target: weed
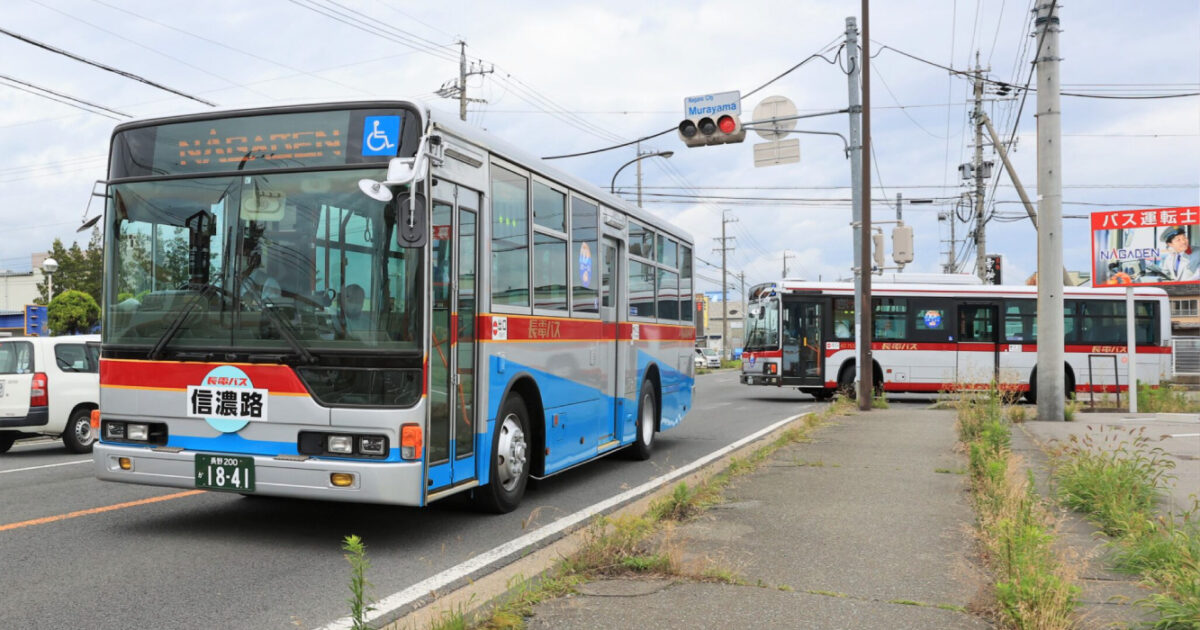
1015,414
879,402
949,471
1117,478
1165,398
722,575
1070,409
680,505
1032,588
356,555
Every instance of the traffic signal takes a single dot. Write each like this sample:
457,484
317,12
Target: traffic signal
992,268
705,130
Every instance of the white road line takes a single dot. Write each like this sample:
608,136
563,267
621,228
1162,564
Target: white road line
82,461
440,580
1175,435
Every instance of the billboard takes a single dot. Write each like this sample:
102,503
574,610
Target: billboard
1146,247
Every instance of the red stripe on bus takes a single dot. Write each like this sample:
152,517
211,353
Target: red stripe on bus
527,328
176,375
990,347
765,354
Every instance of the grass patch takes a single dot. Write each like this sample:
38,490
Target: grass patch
879,402
1118,479
950,471
1033,586
1165,398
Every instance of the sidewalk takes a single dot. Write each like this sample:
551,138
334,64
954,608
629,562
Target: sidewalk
868,526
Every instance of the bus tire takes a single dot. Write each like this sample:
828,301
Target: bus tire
1068,384
822,394
77,436
647,418
509,468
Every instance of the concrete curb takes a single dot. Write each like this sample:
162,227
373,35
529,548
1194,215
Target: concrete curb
472,592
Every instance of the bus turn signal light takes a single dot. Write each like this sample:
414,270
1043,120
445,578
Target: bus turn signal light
95,420
412,442
341,480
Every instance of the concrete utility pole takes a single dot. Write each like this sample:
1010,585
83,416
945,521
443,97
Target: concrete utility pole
724,284
1050,353
980,223
856,189
786,256
458,89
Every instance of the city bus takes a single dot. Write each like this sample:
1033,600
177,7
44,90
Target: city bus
373,302
945,336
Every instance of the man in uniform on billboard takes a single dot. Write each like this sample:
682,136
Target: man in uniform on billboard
1181,261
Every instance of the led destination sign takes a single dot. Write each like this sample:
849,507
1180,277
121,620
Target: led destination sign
255,143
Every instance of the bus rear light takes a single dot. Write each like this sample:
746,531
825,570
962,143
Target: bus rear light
411,441
341,480
39,394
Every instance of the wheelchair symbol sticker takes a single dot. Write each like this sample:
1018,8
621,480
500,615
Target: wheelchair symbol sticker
381,135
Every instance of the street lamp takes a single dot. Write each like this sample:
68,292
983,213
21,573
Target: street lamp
641,156
49,266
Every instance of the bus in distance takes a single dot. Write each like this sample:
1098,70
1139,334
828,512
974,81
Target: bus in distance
372,302
943,337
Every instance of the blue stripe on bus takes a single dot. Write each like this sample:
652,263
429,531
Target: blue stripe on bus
584,412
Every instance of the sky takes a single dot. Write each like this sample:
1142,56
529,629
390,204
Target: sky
569,77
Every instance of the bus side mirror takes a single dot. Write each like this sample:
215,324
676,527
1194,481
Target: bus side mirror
412,226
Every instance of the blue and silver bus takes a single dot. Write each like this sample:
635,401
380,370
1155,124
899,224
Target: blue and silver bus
372,302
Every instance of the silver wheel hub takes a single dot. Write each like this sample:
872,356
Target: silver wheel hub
83,432
511,452
647,420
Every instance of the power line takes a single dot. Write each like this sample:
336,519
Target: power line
119,72
59,97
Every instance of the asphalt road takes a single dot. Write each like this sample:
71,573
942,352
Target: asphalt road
80,553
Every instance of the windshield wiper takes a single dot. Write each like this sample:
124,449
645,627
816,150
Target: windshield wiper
285,328
206,292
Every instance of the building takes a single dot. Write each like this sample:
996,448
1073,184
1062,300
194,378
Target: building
1185,309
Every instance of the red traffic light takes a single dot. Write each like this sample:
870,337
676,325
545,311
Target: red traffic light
727,124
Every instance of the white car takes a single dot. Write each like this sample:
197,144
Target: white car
49,386
707,358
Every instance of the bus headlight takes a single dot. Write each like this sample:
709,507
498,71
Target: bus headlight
342,444
371,445
139,432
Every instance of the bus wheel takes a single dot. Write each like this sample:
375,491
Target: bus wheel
1068,385
644,444
846,384
77,436
510,459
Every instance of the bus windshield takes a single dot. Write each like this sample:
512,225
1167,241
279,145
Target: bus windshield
763,322
276,263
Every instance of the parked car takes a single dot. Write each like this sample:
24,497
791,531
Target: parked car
707,358
49,386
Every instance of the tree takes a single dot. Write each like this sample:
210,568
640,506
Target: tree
72,312
78,269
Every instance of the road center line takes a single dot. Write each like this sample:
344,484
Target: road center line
440,580
98,510
13,470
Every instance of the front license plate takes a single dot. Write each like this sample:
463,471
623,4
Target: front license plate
225,472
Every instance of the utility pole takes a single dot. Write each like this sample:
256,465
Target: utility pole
980,227
1050,351
458,89
856,188
742,281
724,283
898,202
786,256
866,385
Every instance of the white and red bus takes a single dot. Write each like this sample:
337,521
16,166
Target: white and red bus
943,337
280,321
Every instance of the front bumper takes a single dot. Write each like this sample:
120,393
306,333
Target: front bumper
759,379
394,483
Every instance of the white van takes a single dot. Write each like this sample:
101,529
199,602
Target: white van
49,386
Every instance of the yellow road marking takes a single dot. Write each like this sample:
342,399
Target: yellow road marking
98,510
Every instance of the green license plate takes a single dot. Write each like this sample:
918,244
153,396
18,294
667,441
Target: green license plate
225,472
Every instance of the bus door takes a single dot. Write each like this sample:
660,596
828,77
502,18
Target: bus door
453,248
609,346
978,360
802,345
